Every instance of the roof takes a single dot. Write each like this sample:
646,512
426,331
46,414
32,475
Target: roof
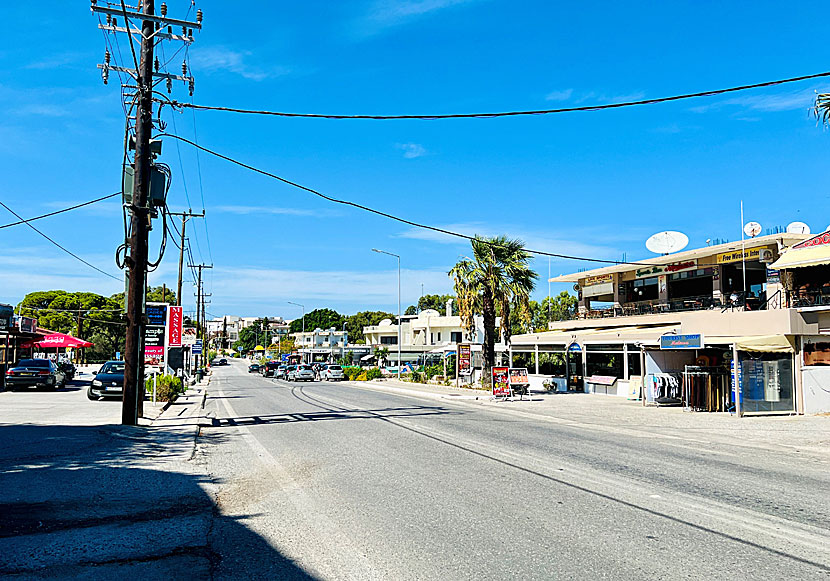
785,238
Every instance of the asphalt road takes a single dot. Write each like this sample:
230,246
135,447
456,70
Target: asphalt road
355,483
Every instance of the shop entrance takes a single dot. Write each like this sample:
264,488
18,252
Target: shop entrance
573,358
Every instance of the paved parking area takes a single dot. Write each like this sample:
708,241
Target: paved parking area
68,406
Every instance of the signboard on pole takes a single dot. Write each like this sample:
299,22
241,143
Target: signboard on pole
155,333
197,347
465,361
501,382
6,316
174,327
518,377
189,336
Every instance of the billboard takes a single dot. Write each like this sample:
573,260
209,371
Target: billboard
155,333
501,381
465,361
174,327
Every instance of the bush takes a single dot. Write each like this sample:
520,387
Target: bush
168,387
373,373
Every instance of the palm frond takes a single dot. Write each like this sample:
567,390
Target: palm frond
822,108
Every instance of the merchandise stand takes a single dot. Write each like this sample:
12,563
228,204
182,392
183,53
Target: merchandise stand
706,389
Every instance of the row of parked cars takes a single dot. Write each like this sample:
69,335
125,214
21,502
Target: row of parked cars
303,372
108,381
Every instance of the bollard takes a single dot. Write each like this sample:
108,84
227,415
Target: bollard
155,382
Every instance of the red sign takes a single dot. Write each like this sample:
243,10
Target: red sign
820,240
174,327
501,381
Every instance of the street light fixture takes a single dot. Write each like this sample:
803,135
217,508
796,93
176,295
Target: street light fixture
400,322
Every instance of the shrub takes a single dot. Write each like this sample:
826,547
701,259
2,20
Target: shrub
361,377
168,387
417,377
373,373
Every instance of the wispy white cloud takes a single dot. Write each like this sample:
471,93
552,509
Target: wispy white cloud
223,59
385,14
412,150
560,95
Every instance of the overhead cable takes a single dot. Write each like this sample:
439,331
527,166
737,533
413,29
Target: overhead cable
598,107
385,214
69,252
75,207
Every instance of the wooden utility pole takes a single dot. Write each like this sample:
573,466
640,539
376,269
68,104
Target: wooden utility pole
184,216
200,305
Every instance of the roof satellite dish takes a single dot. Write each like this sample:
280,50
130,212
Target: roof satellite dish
752,229
667,242
798,228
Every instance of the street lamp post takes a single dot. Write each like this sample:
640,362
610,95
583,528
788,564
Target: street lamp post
400,322
303,307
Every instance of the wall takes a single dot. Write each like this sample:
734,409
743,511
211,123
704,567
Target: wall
816,389
668,361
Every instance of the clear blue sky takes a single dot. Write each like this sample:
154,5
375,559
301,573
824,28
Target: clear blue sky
594,183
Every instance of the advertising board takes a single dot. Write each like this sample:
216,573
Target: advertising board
174,327
501,381
465,362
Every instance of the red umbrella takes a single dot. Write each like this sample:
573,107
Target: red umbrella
58,340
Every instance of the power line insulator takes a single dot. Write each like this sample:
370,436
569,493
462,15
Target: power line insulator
169,86
184,68
107,57
199,16
164,9
156,64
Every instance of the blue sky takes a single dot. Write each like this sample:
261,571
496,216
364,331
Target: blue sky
595,184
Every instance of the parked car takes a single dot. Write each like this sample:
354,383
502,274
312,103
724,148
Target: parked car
332,373
108,381
269,369
28,373
301,373
253,368
289,369
280,372
223,361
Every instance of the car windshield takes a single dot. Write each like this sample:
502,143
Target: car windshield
33,363
113,368
335,367
305,367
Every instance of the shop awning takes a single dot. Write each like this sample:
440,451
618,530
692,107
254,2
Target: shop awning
800,257
756,343
367,357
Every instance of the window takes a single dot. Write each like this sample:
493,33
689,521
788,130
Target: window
388,340
439,335
455,336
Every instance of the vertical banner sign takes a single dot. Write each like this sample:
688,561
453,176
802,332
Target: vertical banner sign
501,381
465,366
155,333
174,327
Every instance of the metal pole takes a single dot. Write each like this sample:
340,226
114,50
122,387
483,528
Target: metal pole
181,263
400,321
743,250
133,397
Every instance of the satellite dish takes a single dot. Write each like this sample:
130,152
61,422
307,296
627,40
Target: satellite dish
667,242
752,229
798,228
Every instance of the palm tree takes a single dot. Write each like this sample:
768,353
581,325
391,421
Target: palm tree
496,278
822,108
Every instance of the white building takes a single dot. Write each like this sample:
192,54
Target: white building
322,345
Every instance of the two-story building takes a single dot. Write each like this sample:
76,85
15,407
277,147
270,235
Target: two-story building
674,328
326,345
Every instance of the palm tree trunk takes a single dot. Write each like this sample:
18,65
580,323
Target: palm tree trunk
489,314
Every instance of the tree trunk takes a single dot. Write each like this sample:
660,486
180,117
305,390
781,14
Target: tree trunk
489,314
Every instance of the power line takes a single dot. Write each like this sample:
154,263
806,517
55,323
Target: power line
60,211
385,214
511,113
69,252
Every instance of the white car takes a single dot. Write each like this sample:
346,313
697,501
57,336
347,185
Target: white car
332,373
301,373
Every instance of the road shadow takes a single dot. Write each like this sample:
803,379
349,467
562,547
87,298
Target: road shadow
359,414
99,502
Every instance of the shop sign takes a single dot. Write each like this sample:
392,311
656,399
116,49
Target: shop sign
773,276
189,336
666,268
26,324
820,240
197,347
519,377
174,327
737,255
155,333
501,381
599,279
574,348
6,316
694,341
464,360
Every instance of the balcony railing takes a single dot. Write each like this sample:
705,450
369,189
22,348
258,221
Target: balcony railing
656,306
809,298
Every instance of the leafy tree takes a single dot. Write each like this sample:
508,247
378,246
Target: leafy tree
318,318
497,277
356,322
557,308
382,353
250,336
85,315
438,303
154,294
411,310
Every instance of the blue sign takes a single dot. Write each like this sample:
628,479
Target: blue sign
118,355
574,348
681,341
156,314
197,347
285,356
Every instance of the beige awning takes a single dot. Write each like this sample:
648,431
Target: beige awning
756,343
800,257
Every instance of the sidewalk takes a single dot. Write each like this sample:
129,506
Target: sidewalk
630,419
105,501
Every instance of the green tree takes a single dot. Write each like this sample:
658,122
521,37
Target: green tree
561,307
411,310
382,353
318,318
496,278
154,294
438,303
356,322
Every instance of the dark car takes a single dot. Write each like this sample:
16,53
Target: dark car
269,369
28,373
253,368
223,361
108,381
